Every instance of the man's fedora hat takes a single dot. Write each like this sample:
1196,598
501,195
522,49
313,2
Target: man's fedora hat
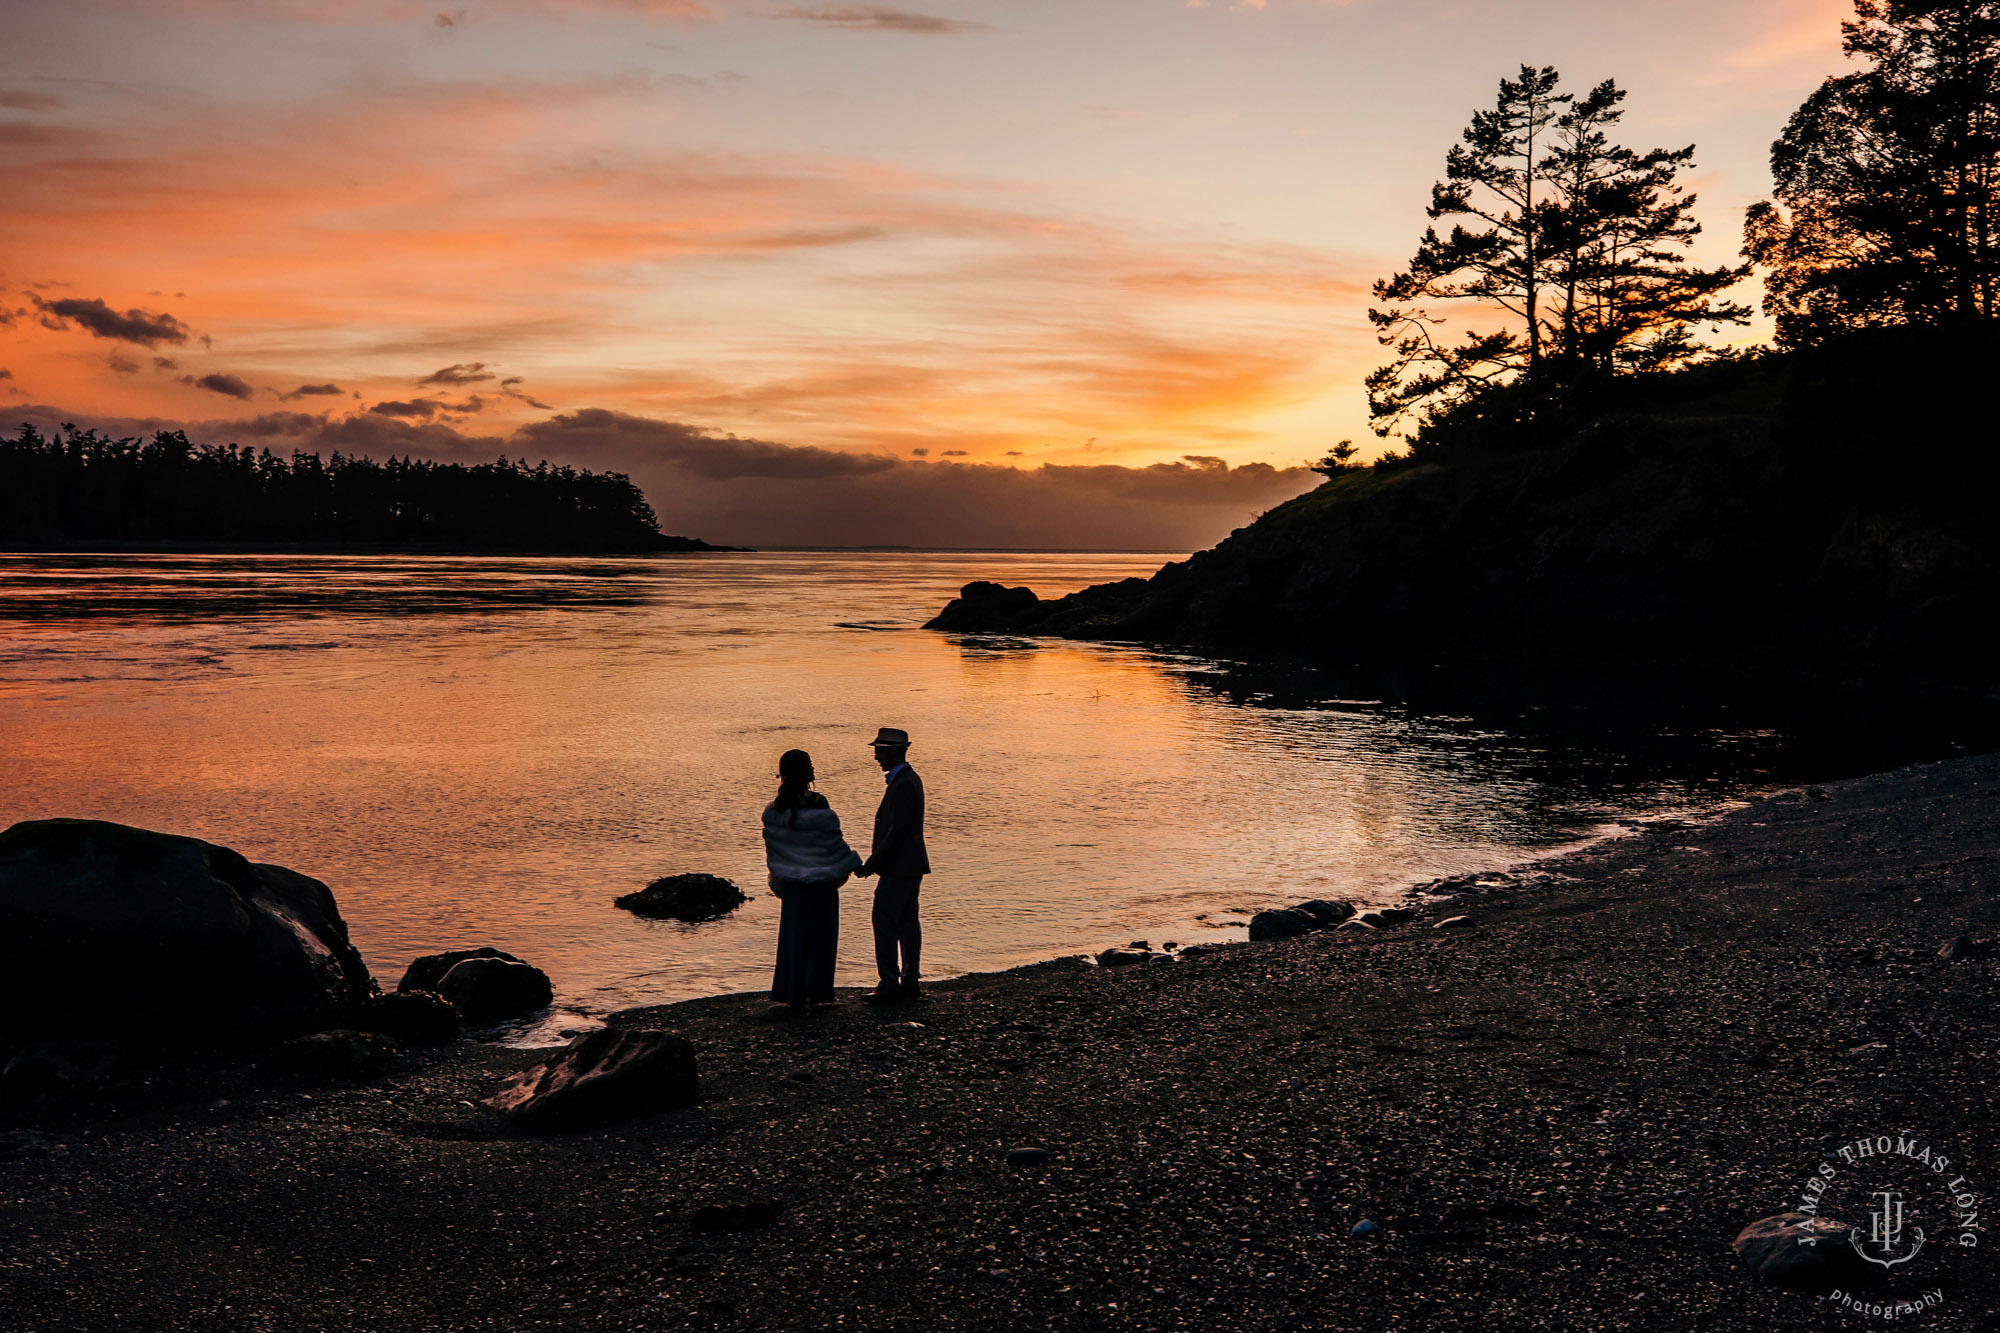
892,738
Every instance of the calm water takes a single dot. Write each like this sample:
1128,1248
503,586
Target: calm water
488,750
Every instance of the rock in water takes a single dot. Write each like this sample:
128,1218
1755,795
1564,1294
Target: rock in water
426,972
488,990
1281,924
112,931
983,606
609,1074
493,986
685,898
1121,957
1803,1254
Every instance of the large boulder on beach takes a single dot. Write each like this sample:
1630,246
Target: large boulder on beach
124,933
609,1074
1803,1253
484,985
685,898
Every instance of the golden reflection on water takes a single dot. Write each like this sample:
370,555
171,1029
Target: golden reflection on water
487,751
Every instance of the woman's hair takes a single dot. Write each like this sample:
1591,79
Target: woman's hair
795,774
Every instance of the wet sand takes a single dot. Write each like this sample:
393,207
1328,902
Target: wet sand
1560,1118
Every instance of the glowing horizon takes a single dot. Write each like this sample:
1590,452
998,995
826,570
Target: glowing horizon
999,233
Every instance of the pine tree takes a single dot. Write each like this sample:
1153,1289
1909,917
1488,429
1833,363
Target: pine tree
1582,246
1491,177
1888,179
1617,229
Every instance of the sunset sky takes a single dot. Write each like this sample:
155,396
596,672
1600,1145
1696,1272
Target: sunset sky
879,245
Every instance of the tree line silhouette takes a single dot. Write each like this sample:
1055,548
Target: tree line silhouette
1886,183
83,485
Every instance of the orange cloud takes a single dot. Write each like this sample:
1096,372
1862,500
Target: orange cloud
554,229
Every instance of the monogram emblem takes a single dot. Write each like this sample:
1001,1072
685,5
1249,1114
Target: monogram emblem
1886,1233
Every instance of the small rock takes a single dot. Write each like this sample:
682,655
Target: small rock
1121,957
1962,946
426,972
609,1074
1325,912
1803,1253
1359,924
340,1053
1282,924
1396,916
733,1216
685,898
62,1067
1027,1156
20,1143
487,990
1171,945
422,1017
1140,944
1454,923
1366,1229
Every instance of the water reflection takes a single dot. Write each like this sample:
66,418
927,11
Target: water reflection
487,751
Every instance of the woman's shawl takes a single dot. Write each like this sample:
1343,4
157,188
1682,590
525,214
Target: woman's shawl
805,843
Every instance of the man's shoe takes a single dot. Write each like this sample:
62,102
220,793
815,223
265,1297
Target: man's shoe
889,992
910,990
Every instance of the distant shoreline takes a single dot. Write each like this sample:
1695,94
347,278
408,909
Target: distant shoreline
419,548
694,547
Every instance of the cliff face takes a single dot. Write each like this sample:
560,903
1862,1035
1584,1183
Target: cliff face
1833,508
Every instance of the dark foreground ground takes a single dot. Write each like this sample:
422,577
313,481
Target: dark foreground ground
1561,1118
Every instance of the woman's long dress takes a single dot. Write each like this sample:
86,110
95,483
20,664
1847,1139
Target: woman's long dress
808,937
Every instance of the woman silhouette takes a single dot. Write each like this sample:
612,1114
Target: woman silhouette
809,861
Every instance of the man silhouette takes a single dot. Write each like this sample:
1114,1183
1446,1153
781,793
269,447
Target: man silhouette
898,855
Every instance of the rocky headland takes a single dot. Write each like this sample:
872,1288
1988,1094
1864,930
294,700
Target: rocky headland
1822,515
1557,1115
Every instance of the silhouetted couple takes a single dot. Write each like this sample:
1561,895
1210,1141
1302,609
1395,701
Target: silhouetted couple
810,860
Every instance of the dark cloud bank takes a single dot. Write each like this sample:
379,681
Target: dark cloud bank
759,493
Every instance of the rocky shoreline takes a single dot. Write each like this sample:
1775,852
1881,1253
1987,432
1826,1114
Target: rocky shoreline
1556,1118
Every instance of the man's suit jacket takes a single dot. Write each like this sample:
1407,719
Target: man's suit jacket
898,848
